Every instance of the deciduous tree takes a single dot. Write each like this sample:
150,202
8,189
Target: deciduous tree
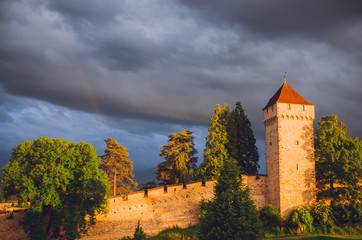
118,168
215,152
231,214
180,162
338,162
241,141
63,184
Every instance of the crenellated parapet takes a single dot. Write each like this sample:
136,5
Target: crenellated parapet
289,150
271,120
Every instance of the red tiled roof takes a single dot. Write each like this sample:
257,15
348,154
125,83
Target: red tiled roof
286,94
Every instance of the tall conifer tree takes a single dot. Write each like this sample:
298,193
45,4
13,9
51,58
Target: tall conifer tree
231,214
180,161
241,141
215,152
118,168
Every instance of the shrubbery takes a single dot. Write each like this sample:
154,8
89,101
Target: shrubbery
343,218
348,215
323,219
271,219
176,232
138,234
302,217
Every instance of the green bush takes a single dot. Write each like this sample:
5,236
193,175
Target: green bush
176,232
323,219
139,234
301,217
348,214
271,219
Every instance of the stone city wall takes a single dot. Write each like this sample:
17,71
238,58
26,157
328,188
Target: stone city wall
258,185
159,210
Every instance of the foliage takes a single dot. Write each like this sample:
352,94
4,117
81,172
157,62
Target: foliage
318,237
189,233
148,185
271,219
139,234
323,219
231,214
63,184
302,217
176,232
180,161
241,141
215,152
118,168
2,198
338,162
348,214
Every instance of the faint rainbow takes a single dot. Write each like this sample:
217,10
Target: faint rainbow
89,90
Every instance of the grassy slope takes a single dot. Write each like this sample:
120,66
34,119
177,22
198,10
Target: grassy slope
317,237
190,233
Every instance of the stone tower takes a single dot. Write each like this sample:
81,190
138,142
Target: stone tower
289,149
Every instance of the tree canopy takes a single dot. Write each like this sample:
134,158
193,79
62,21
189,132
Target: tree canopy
63,184
180,162
215,152
118,168
241,141
338,161
231,214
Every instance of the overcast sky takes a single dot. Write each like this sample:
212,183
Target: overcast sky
140,70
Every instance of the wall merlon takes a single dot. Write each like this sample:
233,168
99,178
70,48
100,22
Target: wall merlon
289,183
155,191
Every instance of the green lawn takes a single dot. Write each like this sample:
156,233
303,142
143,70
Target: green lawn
316,237
175,233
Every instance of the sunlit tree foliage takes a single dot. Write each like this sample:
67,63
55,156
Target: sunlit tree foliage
63,184
338,162
215,152
180,163
118,168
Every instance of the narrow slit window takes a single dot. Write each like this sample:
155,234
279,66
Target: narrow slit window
288,106
303,108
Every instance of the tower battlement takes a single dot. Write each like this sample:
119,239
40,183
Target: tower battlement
289,150
288,184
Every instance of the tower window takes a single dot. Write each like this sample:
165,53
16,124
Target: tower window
288,106
296,142
297,166
303,108
270,143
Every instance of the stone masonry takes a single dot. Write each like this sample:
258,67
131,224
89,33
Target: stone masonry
289,150
289,183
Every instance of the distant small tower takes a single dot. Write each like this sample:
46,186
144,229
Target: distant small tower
289,149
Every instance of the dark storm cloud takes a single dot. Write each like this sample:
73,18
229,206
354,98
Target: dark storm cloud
330,20
149,68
